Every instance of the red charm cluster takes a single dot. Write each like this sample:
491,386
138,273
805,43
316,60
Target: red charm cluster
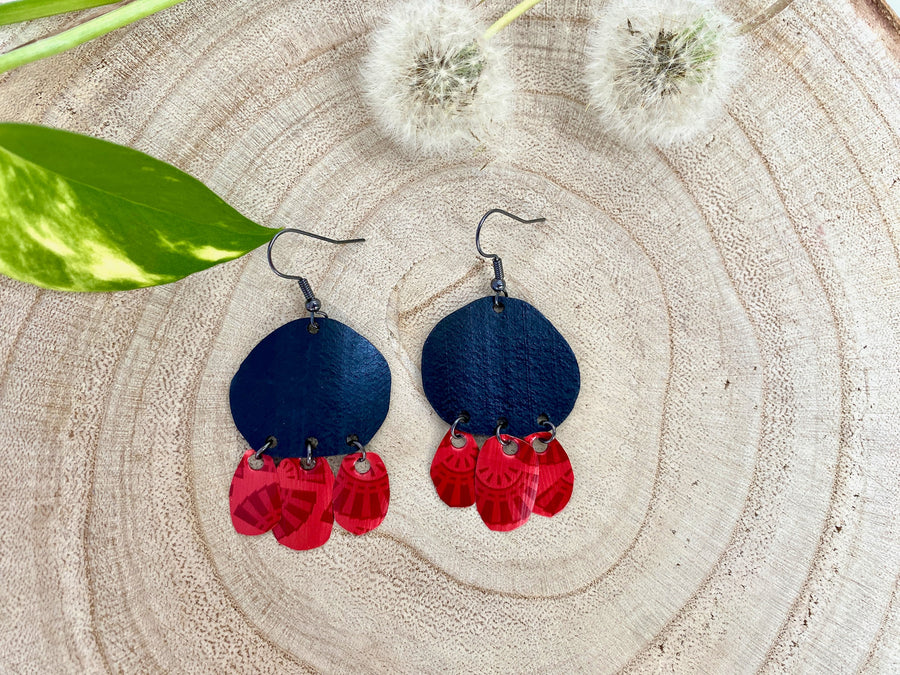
507,479
300,505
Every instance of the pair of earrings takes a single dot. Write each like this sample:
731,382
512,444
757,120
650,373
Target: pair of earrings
314,388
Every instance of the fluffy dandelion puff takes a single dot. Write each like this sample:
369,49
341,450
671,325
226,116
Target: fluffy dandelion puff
660,70
432,83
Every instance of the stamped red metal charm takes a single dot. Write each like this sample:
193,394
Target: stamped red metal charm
453,470
306,514
361,493
505,484
254,498
556,478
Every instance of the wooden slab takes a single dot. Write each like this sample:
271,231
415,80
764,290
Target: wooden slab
734,308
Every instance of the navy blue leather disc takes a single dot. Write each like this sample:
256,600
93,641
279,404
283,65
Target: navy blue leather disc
513,365
296,385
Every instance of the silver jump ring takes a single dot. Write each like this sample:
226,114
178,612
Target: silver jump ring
358,446
462,418
254,461
548,423
361,465
309,461
269,444
501,424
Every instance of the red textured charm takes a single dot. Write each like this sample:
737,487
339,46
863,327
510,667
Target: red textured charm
556,477
254,498
361,499
505,485
306,515
453,470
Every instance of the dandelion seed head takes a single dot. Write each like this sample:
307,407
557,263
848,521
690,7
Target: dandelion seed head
433,85
659,71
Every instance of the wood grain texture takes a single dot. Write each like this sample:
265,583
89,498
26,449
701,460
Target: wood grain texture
734,307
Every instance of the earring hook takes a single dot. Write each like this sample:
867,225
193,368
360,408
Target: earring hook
498,285
313,304
308,234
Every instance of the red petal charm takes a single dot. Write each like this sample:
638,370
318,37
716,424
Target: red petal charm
306,515
453,470
505,485
361,499
254,499
556,477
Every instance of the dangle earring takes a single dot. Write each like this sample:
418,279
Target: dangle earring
310,389
498,368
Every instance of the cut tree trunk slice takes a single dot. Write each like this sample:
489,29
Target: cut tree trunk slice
733,307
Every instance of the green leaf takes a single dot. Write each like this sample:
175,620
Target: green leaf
81,214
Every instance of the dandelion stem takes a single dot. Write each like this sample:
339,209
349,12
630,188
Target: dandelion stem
15,11
508,18
103,24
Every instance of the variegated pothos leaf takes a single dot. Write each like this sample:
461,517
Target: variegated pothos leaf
81,214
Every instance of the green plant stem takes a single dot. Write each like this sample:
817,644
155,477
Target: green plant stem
15,11
508,18
116,18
